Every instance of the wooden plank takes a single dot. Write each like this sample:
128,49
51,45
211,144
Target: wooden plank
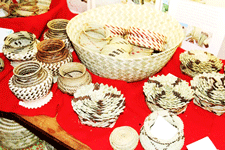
47,128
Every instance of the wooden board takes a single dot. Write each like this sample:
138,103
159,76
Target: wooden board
48,129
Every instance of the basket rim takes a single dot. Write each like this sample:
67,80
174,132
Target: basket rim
57,21
49,41
79,67
7,43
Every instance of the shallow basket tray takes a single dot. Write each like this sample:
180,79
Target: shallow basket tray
126,15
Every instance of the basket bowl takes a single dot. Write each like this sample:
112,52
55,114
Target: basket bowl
126,15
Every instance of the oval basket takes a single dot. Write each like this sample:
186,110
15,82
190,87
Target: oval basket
126,15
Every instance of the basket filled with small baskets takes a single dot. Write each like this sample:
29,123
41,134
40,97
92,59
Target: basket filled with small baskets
151,35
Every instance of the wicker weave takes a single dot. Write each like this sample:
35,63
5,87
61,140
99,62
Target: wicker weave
15,136
126,15
51,51
5,8
30,81
2,64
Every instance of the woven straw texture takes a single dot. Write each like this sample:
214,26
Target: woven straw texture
150,142
15,136
2,64
20,46
126,15
33,87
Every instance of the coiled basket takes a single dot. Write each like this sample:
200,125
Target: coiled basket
127,15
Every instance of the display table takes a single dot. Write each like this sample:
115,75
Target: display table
198,123
58,121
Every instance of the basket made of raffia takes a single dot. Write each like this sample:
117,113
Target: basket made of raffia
126,15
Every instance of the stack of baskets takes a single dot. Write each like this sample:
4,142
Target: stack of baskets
209,92
195,62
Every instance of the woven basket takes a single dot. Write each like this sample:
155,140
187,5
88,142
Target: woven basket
149,141
2,64
15,136
5,9
126,15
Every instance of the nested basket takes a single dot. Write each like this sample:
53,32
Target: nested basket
57,29
126,15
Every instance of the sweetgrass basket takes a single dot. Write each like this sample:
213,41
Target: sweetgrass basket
126,15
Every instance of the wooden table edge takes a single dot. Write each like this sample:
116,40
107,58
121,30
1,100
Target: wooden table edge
48,129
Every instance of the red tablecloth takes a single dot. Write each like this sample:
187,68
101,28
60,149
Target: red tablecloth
198,123
36,25
9,102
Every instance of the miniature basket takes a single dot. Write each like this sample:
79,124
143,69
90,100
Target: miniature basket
71,76
98,105
20,46
126,15
167,93
196,62
150,142
30,81
124,138
52,54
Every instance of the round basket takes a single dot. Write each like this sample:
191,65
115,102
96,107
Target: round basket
126,15
149,141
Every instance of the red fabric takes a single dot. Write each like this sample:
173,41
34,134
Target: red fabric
9,102
198,123
37,24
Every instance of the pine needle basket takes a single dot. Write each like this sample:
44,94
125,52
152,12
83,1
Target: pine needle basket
126,15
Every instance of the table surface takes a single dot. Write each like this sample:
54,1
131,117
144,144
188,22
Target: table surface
198,122
48,129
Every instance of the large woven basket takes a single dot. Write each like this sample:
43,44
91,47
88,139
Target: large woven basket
126,15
